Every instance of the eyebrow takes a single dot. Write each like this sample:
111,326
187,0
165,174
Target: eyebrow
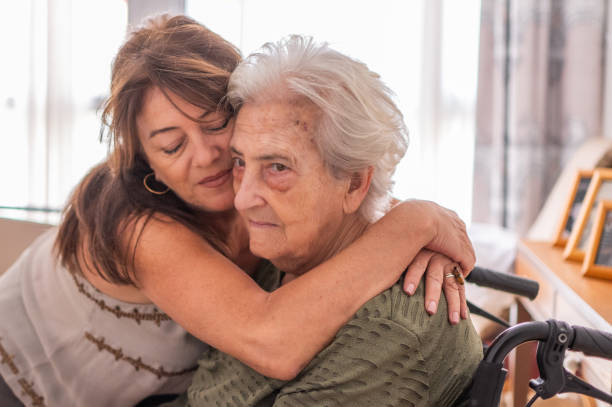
165,129
266,157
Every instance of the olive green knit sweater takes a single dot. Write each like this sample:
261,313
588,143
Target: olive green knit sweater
392,353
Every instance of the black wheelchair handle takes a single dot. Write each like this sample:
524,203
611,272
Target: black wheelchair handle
554,338
592,342
504,282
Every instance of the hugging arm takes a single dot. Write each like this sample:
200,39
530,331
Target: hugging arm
278,333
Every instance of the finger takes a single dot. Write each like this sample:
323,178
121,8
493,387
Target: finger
468,262
452,291
452,239
460,247
433,282
467,257
415,270
460,282
463,302
470,255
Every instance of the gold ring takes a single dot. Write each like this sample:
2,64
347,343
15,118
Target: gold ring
458,275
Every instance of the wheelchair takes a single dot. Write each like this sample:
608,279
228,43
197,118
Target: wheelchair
554,339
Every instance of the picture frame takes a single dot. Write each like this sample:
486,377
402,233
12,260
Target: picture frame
574,201
598,258
600,188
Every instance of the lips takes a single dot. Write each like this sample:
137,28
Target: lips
260,223
216,180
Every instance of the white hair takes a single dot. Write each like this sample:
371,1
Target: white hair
360,125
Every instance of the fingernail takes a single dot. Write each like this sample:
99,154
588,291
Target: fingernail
431,308
455,318
464,314
410,289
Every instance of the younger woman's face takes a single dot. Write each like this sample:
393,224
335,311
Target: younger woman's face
191,158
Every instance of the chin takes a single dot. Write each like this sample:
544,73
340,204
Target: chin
283,261
258,251
263,251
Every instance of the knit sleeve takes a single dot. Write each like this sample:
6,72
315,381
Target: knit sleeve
372,361
222,380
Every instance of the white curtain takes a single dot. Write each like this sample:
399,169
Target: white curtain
22,93
56,70
541,86
61,50
607,92
425,50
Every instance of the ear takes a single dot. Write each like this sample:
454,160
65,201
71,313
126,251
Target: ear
358,186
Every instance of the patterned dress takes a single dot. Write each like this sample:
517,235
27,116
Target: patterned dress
64,343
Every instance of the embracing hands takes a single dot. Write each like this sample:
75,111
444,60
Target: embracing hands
438,270
448,247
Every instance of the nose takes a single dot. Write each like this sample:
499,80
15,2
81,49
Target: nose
247,189
207,150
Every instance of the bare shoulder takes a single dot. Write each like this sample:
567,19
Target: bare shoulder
169,257
159,235
123,292
146,237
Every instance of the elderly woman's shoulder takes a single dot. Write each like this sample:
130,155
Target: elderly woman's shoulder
448,353
409,312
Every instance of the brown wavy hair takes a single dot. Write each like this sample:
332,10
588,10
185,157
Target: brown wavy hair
176,54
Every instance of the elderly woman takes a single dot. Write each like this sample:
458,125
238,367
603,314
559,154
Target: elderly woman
316,141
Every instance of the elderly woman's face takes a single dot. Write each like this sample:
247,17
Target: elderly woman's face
292,205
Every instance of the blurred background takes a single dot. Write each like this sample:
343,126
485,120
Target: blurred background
497,94
504,100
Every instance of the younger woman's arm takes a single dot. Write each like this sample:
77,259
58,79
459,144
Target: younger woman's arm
278,333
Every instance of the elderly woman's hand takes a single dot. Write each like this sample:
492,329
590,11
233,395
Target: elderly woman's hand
437,269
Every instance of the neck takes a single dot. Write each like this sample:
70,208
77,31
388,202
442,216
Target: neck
351,228
223,222
235,236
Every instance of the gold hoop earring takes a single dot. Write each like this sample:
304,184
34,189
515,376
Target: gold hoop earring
151,190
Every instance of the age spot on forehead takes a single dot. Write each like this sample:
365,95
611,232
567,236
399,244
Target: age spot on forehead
301,124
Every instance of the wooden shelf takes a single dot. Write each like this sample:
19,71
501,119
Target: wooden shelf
566,295
591,297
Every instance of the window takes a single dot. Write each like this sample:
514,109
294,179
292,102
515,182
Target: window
57,74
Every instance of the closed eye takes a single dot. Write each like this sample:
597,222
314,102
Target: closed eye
172,150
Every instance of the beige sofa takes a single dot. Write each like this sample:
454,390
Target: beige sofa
15,236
